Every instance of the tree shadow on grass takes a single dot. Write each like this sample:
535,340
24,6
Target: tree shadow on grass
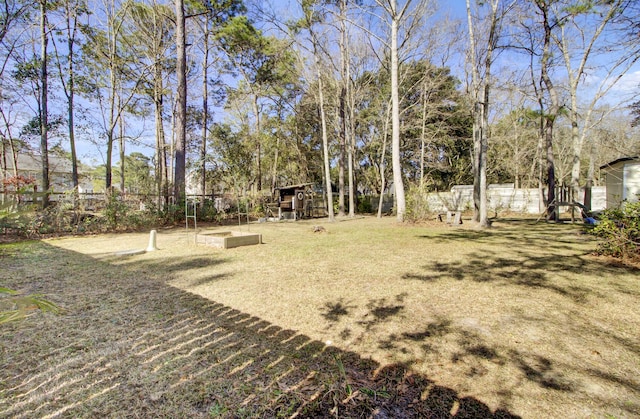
175,354
381,310
473,353
209,279
333,312
549,272
472,350
520,235
169,265
421,337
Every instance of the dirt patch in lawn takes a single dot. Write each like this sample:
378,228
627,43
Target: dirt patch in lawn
366,319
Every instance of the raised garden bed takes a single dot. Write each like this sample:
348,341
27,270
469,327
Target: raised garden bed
228,239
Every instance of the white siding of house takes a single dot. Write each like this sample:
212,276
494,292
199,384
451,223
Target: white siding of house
60,177
614,177
631,188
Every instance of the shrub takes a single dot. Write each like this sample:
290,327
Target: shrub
60,216
172,213
208,211
15,220
67,215
115,210
364,205
19,185
417,204
619,231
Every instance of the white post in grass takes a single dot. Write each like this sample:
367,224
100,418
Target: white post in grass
152,241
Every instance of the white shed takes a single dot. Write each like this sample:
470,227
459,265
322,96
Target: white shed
622,178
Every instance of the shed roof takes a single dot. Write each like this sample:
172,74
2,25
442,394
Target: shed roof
302,185
617,161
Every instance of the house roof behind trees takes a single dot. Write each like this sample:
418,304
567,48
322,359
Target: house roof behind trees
32,162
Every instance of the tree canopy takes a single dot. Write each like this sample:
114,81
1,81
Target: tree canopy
276,96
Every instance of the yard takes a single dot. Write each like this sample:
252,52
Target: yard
367,319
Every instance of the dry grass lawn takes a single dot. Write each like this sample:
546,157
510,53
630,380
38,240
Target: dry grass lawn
367,319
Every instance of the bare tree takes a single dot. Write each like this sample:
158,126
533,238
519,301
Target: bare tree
553,110
583,36
406,18
113,76
205,105
12,14
398,183
150,30
72,11
481,59
219,13
181,104
44,109
383,157
343,102
310,20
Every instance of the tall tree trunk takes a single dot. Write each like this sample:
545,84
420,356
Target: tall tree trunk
484,146
477,147
484,138
122,151
274,171
276,154
181,105
12,144
71,106
3,169
108,162
342,151
323,119
113,115
385,131
342,107
552,113
398,183
44,111
423,131
205,112
161,149
171,156
14,156
481,95
475,113
325,144
257,134
552,213
352,147
540,155
590,176
577,142
72,144
347,101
